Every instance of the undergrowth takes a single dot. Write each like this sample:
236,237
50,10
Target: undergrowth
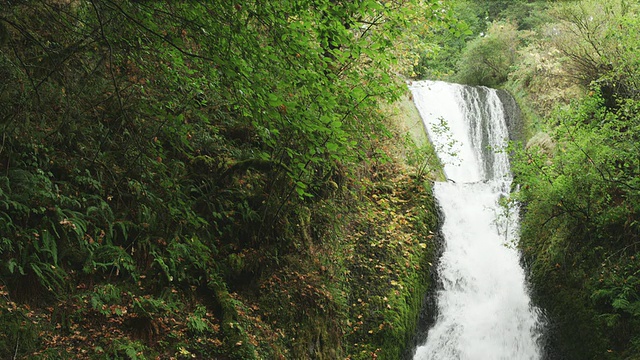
176,184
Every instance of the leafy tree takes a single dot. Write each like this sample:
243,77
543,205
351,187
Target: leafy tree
598,40
443,40
488,60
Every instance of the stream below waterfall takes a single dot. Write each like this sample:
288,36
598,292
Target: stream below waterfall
483,307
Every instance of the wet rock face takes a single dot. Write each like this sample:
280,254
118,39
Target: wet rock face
513,116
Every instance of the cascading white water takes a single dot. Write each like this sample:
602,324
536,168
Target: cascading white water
484,311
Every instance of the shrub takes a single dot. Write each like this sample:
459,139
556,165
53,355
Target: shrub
598,40
488,59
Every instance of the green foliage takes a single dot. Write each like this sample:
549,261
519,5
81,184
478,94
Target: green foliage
151,151
382,313
580,229
464,24
529,15
135,113
104,296
424,159
19,336
598,42
574,71
488,60
127,350
196,322
445,39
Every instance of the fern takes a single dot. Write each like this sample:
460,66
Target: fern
196,322
51,277
111,258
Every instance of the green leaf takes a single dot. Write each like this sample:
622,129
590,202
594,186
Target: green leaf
332,146
274,100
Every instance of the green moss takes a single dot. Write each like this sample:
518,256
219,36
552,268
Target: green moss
390,274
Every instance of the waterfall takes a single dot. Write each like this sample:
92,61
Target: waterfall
484,310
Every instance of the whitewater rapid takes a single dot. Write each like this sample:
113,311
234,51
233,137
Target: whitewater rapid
484,310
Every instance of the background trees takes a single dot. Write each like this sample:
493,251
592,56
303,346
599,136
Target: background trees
488,60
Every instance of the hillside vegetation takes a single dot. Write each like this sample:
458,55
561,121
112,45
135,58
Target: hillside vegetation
574,67
212,180
241,179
